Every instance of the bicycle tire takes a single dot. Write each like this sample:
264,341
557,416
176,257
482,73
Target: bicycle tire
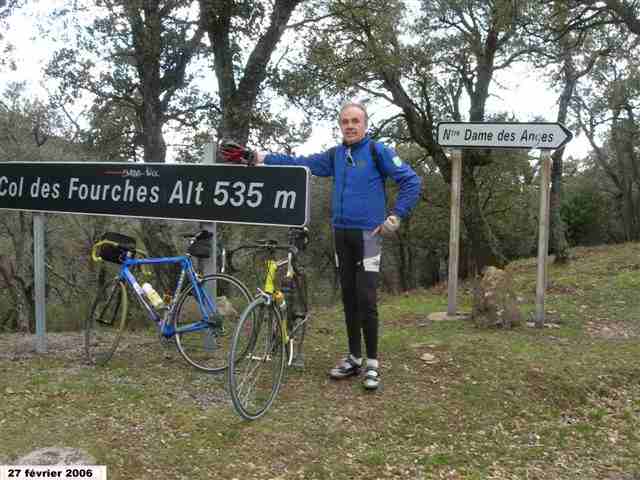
105,324
257,342
208,348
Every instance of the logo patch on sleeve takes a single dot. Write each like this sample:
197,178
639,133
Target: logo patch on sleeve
397,162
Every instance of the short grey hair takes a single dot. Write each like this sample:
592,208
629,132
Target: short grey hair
356,105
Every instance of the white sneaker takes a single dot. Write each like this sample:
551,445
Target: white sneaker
371,378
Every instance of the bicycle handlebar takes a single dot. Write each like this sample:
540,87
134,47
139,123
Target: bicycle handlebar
94,255
267,245
97,258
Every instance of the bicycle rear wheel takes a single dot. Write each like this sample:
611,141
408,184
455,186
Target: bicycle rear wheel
105,324
257,360
206,345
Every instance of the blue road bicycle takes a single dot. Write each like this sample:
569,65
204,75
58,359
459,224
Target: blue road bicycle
200,315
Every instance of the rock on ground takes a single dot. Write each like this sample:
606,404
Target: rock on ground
57,456
494,301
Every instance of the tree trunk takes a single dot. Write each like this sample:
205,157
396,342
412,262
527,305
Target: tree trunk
238,100
155,151
402,264
412,275
23,275
154,235
623,131
485,248
558,231
155,148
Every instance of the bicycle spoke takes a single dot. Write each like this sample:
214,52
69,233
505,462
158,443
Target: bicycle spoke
251,376
247,386
207,348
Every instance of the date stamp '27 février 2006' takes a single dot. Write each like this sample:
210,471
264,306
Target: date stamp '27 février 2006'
60,472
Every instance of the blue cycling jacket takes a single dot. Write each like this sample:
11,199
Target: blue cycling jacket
359,199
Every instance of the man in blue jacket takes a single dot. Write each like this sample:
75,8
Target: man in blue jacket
359,167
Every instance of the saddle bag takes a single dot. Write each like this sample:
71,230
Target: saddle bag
200,247
116,253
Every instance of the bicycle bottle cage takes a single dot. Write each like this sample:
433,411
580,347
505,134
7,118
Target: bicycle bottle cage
200,246
119,252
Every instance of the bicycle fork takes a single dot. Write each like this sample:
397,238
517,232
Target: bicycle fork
278,299
300,321
273,300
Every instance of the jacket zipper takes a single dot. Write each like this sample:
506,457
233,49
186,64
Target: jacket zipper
344,181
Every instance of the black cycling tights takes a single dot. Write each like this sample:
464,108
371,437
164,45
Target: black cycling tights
358,258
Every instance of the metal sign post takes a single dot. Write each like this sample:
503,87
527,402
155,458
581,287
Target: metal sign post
454,232
39,279
540,135
210,265
543,237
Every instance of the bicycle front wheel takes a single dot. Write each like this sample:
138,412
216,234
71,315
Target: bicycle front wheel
205,345
104,327
257,360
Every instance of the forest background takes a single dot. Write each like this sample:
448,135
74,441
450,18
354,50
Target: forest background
155,81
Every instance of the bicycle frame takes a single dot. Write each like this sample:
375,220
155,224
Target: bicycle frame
206,303
273,295
270,335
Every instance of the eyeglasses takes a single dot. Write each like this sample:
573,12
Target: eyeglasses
349,158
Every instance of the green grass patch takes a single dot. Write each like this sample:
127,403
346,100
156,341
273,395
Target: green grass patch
458,402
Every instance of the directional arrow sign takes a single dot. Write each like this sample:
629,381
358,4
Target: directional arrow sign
546,136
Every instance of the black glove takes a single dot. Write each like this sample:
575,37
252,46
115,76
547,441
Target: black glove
232,152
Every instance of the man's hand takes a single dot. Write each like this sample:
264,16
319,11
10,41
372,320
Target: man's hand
390,225
233,152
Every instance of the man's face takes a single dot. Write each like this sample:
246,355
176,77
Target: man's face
353,125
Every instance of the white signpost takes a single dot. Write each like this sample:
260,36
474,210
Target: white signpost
546,136
460,135
210,265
